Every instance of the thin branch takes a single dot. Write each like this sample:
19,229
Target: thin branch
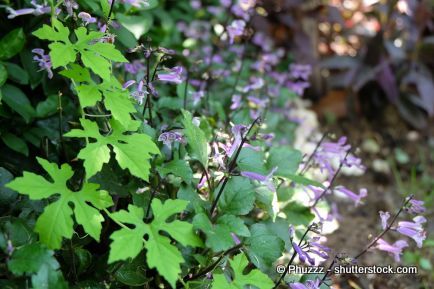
372,243
292,258
332,180
306,166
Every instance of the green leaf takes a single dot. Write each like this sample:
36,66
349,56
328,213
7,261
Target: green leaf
61,54
12,43
30,258
47,107
3,74
238,197
239,280
285,159
264,247
133,273
197,145
56,220
15,143
178,168
161,254
218,236
304,181
116,99
16,73
137,25
98,65
7,196
132,151
297,214
105,7
250,160
56,33
18,101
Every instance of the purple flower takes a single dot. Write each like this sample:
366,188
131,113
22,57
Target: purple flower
135,3
384,218
255,83
266,180
197,96
395,250
37,10
356,198
43,60
300,71
235,29
238,131
297,87
310,284
134,67
236,102
174,76
70,6
235,238
171,136
413,230
302,255
139,94
416,207
86,18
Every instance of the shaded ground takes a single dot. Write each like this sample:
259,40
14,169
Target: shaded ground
359,225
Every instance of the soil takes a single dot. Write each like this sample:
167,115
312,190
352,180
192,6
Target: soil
359,225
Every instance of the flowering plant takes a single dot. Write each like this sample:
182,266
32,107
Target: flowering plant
147,166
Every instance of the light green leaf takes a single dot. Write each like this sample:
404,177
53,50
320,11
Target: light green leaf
61,54
239,280
56,221
137,25
98,65
88,94
197,145
56,33
161,254
132,151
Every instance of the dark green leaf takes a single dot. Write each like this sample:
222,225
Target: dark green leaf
16,73
12,43
15,143
18,101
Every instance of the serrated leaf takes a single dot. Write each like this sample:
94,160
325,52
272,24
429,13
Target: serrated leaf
56,221
132,151
238,197
285,159
240,280
197,145
61,54
161,254
263,247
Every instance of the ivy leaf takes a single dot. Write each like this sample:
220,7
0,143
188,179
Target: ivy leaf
238,197
132,151
161,254
238,264
197,145
56,220
116,99
218,236
61,54
263,246
57,32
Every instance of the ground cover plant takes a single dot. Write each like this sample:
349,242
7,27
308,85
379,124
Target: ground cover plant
163,144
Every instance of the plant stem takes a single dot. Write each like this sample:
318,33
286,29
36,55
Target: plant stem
231,166
214,264
332,180
389,226
306,166
292,258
